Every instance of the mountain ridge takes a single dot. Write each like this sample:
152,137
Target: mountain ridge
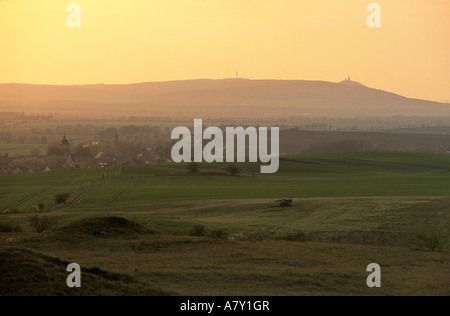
221,97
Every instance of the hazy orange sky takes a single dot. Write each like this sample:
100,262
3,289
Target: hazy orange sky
158,40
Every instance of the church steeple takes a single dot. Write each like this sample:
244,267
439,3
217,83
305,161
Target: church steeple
65,146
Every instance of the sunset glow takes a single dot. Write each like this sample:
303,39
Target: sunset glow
139,41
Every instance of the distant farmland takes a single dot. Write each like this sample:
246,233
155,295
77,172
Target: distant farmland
297,141
310,175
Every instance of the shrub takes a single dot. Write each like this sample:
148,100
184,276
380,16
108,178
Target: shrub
7,228
41,207
433,241
234,170
193,167
336,238
12,211
62,198
257,236
284,203
298,236
219,234
198,231
41,223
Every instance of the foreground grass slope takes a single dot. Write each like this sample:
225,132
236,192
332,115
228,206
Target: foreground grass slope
162,230
202,266
258,252
26,272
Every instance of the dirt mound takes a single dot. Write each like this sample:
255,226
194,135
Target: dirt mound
27,273
103,227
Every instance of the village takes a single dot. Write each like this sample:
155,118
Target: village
61,157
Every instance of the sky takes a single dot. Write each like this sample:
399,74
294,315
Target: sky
159,40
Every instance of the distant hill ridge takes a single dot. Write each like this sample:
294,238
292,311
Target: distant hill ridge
225,97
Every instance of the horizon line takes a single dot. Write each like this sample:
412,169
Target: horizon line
171,80
347,78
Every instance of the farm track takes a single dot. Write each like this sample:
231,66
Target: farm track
73,179
82,195
36,193
27,198
126,190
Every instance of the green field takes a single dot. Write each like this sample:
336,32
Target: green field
321,175
140,226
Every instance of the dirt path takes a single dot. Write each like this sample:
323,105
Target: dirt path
27,198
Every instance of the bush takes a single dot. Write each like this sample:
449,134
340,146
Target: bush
12,211
198,231
433,241
193,167
234,170
257,236
7,228
41,223
284,203
62,198
219,234
298,236
41,207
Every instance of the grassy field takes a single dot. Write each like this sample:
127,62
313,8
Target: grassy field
160,230
321,175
